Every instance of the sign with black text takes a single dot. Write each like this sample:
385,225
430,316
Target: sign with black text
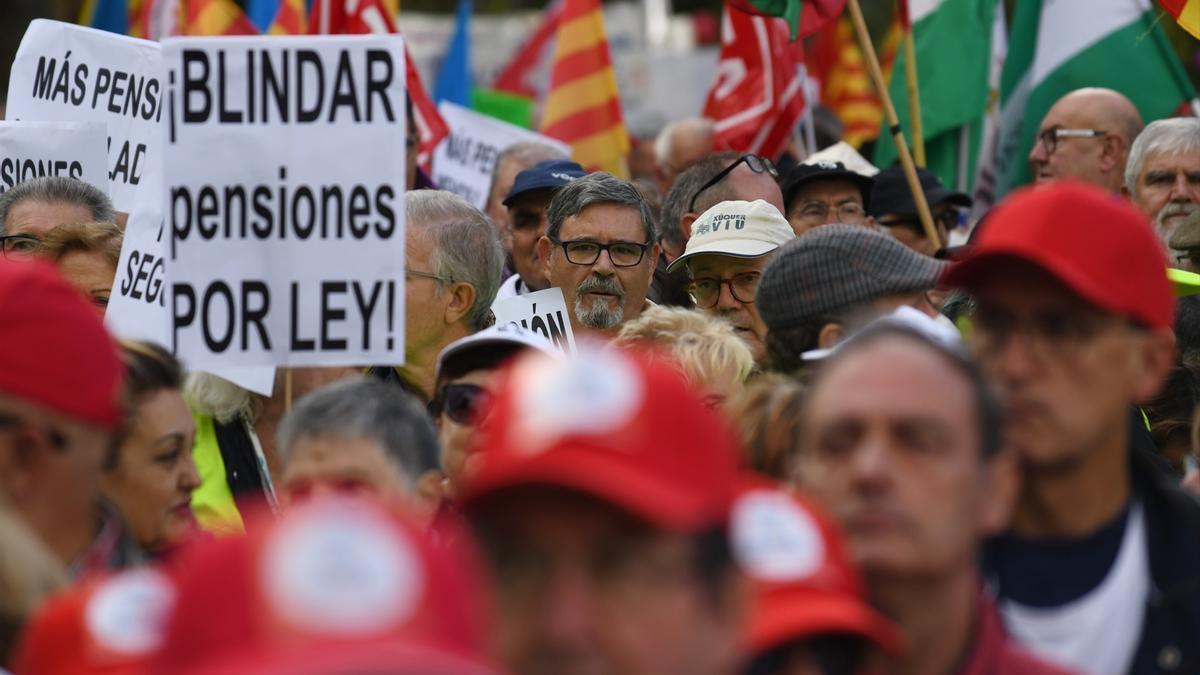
285,199
463,162
69,73
36,149
543,312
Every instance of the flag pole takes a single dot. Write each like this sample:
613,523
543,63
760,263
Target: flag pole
914,90
906,160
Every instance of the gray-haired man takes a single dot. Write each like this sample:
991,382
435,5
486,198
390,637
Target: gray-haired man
30,209
600,248
1162,177
359,435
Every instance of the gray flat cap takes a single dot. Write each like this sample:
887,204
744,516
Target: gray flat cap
833,267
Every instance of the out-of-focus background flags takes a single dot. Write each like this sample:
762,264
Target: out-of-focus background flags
605,77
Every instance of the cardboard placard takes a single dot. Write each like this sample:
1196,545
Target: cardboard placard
544,312
36,149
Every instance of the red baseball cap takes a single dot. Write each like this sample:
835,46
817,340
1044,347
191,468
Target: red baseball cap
803,583
54,350
620,426
337,585
107,626
1092,241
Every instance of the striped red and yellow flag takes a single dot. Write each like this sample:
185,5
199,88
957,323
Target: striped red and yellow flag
583,107
1186,12
216,17
845,84
290,19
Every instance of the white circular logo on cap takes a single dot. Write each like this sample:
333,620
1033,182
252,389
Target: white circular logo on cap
342,569
593,393
774,539
128,613
827,165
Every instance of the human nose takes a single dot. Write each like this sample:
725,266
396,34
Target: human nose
872,467
725,299
1038,153
567,610
189,480
604,264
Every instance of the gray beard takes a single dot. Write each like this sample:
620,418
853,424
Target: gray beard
599,317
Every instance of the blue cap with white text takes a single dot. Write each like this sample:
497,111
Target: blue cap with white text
550,174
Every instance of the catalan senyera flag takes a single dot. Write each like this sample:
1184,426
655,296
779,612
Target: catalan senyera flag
583,108
1186,12
216,17
290,19
845,84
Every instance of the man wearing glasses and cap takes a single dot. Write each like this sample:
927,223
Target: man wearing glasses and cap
1086,135
893,207
600,248
826,192
731,243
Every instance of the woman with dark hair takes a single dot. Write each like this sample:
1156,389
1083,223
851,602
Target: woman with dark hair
149,474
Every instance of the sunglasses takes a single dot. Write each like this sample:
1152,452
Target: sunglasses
754,162
465,404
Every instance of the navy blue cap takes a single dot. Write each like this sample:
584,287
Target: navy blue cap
548,174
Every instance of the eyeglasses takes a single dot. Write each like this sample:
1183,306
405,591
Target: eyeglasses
20,246
587,252
757,165
947,219
1049,137
706,291
428,275
1053,333
818,212
465,404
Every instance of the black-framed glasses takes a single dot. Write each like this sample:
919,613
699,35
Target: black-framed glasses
19,245
465,404
587,252
428,275
1049,137
754,162
818,212
706,291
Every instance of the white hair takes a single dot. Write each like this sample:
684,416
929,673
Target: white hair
1172,136
220,399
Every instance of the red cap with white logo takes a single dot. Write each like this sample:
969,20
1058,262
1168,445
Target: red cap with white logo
338,585
615,425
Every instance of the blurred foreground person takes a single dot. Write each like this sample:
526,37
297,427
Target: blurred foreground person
901,441
356,436
467,376
34,207
29,573
601,493
1099,570
86,254
768,419
809,613
149,474
60,383
339,585
710,355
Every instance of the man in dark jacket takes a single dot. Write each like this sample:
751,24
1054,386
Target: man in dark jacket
1100,570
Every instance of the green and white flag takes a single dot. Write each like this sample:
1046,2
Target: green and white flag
1057,46
953,42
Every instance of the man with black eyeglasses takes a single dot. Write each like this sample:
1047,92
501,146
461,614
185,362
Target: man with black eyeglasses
893,207
1086,135
600,248
826,192
730,245
1100,569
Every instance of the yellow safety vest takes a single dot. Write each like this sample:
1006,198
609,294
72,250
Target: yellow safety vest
212,502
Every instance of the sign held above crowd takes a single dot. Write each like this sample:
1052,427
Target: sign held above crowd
544,312
36,149
283,252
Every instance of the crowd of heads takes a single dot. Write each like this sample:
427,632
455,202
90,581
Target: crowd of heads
800,430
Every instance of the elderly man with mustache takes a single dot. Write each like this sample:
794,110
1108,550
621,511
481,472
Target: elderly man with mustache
1162,177
600,248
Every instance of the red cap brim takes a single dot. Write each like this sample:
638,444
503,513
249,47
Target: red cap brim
801,616
333,658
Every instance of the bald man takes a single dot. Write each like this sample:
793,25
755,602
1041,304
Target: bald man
680,145
1086,136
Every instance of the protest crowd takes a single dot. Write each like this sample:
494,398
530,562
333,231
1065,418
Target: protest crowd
279,393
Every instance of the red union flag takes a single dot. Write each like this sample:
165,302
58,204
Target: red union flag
758,95
341,17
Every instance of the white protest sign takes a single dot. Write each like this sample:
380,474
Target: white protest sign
543,312
463,162
284,199
64,72
36,149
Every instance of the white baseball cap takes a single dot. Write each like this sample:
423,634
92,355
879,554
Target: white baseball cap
738,229
498,337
